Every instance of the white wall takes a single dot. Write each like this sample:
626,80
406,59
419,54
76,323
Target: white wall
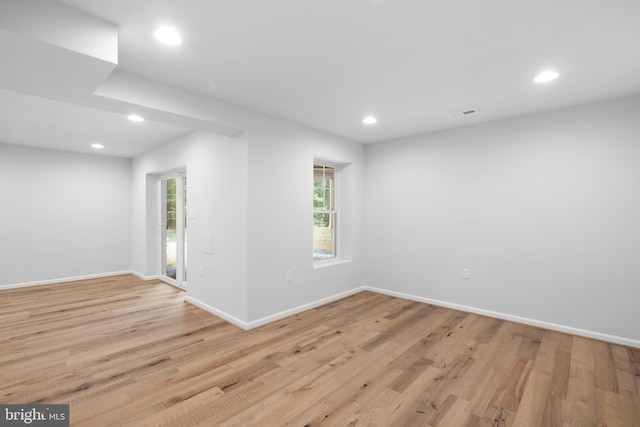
281,157
278,165
544,210
63,215
254,195
216,170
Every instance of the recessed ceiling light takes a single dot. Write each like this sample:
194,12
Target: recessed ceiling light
369,120
546,76
135,118
168,36
97,146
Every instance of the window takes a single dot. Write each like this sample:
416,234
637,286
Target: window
324,212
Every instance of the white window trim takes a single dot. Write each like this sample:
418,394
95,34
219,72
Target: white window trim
322,263
338,259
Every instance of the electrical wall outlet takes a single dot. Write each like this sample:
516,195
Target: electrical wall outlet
466,273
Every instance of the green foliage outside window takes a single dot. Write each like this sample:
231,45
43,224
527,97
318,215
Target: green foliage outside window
321,203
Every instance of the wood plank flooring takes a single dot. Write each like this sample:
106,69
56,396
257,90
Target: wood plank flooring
122,351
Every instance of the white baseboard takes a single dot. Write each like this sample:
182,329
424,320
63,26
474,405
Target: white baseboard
143,277
226,316
301,308
541,324
273,317
157,277
281,315
64,279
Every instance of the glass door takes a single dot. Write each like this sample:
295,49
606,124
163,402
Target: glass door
174,228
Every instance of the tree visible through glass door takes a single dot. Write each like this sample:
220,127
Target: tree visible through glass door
171,254
174,230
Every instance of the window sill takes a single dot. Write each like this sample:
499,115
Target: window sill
329,262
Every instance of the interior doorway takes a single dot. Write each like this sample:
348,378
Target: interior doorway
174,228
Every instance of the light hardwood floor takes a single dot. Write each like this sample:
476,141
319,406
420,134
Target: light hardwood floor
122,351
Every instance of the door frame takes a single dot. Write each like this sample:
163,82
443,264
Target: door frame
179,176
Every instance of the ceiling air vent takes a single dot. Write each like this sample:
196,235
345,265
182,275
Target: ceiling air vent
464,113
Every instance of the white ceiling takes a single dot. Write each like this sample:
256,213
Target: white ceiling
47,123
328,63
